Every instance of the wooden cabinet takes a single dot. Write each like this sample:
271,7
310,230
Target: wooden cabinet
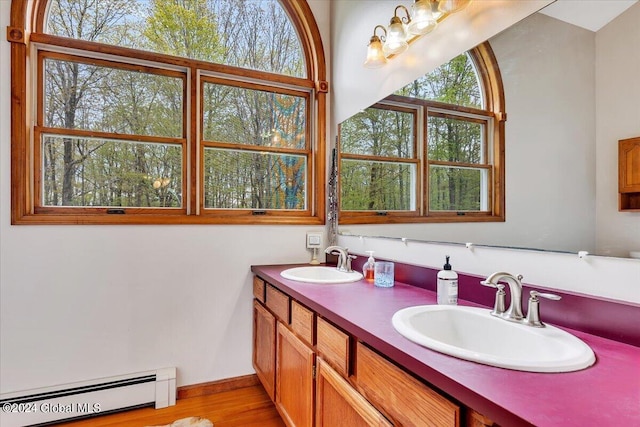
319,375
295,366
264,347
629,174
339,404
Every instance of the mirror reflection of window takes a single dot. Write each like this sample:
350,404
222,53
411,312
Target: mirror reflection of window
427,151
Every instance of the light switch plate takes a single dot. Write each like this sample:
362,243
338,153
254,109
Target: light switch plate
314,240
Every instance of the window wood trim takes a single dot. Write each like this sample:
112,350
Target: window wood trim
26,24
488,72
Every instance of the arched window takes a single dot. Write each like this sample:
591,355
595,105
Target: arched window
167,111
431,152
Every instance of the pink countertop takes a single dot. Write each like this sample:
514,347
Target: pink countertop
606,394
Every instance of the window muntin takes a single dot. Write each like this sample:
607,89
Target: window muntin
28,178
253,34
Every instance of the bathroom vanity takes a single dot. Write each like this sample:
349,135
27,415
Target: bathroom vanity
328,355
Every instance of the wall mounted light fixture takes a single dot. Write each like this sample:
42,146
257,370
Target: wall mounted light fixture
402,30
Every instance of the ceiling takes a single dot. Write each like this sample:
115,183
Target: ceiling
589,14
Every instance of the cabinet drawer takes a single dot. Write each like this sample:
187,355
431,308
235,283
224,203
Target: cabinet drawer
278,303
333,346
258,288
302,321
403,398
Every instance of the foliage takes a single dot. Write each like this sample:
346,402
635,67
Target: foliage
455,82
147,104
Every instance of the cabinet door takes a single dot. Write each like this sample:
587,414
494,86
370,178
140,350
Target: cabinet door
264,347
339,404
294,379
629,165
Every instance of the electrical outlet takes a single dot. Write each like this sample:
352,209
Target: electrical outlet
314,240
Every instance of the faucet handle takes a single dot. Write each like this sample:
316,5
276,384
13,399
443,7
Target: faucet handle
536,294
499,306
491,284
533,311
348,261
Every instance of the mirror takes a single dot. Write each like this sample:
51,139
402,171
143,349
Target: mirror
561,146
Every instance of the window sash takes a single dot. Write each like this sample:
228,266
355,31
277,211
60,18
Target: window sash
157,185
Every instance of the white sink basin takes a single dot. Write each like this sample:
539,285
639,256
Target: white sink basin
320,274
472,333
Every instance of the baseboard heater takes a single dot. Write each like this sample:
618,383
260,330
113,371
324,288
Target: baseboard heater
88,398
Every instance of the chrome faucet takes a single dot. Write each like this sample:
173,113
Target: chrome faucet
344,259
514,313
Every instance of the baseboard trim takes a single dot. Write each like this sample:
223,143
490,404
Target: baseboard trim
213,387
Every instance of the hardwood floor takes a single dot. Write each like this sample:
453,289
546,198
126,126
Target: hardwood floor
244,407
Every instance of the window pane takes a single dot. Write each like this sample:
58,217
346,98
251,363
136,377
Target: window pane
89,97
455,140
455,82
254,117
381,186
378,132
457,189
254,34
248,180
98,172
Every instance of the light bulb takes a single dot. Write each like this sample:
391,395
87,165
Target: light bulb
375,56
396,42
424,19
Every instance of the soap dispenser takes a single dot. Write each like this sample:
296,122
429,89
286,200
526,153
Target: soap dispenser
447,285
368,269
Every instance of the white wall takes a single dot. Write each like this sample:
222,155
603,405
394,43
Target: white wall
84,302
548,70
618,117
